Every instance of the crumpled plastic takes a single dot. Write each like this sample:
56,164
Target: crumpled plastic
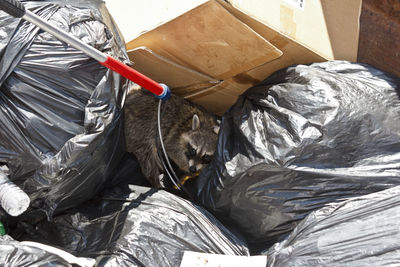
62,133
361,231
305,137
131,225
14,253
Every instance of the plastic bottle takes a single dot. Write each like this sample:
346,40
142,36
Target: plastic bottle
12,199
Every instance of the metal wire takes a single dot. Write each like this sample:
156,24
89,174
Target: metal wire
174,178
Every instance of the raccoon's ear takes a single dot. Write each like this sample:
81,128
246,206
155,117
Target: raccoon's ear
216,129
195,122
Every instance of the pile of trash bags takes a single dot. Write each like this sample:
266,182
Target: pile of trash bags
137,226
62,132
306,172
305,137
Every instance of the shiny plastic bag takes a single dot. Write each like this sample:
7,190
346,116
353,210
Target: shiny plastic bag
61,131
362,231
137,226
14,253
305,137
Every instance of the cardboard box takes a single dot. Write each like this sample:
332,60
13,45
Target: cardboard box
329,28
210,40
210,51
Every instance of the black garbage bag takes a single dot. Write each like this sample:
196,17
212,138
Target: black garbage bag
136,226
304,137
14,253
61,131
362,231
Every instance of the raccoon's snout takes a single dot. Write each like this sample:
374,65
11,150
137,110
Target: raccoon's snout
194,166
192,169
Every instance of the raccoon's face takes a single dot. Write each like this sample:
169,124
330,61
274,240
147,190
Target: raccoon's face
199,146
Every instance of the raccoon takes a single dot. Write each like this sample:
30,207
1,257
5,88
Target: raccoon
189,134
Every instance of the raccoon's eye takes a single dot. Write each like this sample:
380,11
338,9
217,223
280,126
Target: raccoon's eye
192,151
206,159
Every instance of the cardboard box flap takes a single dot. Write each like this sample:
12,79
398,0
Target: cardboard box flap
210,40
293,52
217,99
137,17
329,28
179,78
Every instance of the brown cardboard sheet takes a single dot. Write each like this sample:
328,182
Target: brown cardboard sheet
218,98
210,40
180,79
293,52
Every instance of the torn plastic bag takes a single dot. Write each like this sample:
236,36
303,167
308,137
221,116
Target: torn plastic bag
362,231
137,226
304,137
14,253
60,111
